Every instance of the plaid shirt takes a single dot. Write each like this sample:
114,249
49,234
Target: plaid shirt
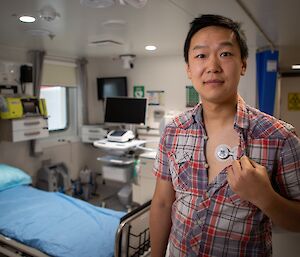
209,219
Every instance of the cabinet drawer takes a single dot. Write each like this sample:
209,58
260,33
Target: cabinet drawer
90,138
29,123
91,133
28,134
93,130
23,129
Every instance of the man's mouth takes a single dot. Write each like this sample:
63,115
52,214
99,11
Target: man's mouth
213,82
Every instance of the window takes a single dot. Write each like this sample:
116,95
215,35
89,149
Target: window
57,106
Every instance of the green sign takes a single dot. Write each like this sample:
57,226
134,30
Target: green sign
138,91
192,96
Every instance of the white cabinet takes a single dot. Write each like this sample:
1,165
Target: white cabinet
91,133
143,188
29,128
117,168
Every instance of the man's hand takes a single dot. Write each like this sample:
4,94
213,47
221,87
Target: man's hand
250,181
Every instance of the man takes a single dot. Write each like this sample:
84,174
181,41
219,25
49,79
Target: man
224,169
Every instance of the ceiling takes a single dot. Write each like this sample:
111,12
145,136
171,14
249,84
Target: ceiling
163,23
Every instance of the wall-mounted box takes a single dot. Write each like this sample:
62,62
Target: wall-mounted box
17,130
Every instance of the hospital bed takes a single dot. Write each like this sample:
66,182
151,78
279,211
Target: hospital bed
35,223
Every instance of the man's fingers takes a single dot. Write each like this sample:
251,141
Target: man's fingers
254,164
236,165
230,174
247,163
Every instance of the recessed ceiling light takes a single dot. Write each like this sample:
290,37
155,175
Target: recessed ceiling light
27,18
150,48
114,24
296,67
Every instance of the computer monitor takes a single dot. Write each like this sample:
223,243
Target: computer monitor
125,110
111,87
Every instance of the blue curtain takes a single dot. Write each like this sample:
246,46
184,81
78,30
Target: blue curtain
266,73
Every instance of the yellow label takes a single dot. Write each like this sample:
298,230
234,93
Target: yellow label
13,109
294,101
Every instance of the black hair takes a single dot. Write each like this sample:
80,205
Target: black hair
220,21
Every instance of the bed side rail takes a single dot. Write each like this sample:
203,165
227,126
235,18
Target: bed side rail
133,237
13,248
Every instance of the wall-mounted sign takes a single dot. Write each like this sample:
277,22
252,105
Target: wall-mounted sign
155,97
192,96
294,101
139,91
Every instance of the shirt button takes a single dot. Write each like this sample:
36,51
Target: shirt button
205,137
206,165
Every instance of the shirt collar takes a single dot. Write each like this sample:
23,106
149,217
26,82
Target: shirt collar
197,113
241,118
242,115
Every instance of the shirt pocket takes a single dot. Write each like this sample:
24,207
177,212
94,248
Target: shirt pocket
180,169
264,151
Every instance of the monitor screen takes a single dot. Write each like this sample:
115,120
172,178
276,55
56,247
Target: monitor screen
111,87
126,110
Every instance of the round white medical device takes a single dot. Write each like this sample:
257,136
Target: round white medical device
223,152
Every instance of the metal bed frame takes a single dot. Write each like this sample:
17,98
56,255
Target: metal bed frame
132,238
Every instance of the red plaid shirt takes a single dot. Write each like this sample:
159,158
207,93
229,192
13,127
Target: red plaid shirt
210,219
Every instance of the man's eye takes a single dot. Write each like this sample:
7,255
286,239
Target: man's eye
200,56
225,54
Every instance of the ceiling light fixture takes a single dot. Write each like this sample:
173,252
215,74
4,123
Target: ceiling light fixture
27,18
150,48
48,13
296,67
114,24
134,3
108,3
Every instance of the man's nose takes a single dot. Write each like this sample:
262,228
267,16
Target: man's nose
213,65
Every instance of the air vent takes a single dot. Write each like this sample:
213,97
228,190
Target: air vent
105,42
97,3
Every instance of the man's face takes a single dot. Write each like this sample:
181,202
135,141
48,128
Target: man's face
215,64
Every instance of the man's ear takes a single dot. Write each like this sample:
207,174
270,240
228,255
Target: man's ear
188,70
244,67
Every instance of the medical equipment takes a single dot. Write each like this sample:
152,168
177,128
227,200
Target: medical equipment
120,135
125,195
117,168
111,87
120,169
88,183
125,110
54,178
18,107
223,152
116,147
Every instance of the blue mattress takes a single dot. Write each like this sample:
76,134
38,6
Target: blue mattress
57,224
